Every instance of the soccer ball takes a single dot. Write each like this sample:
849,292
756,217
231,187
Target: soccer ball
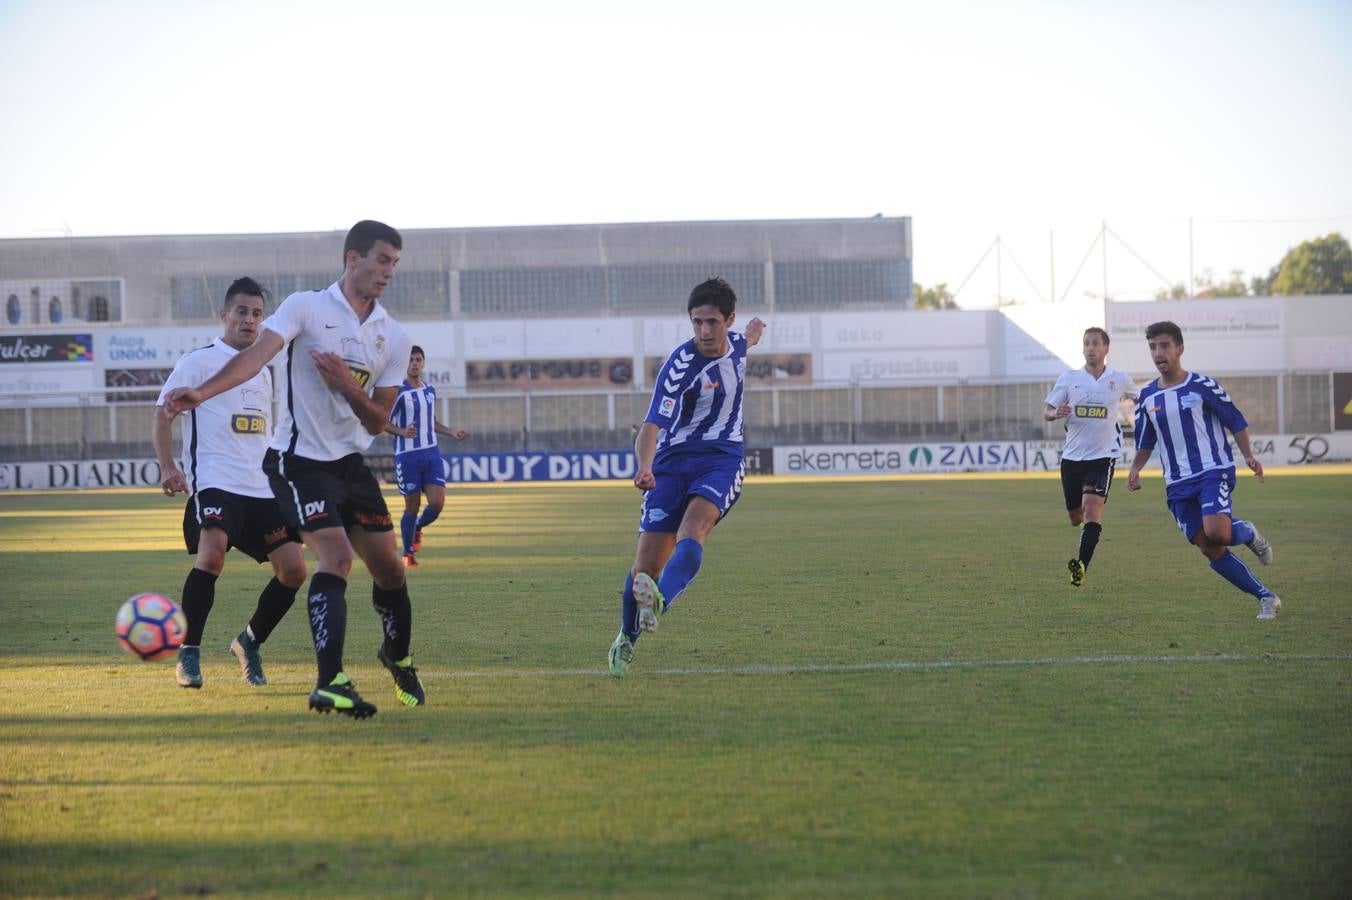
150,626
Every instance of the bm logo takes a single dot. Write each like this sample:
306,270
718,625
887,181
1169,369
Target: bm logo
361,374
248,423
1091,411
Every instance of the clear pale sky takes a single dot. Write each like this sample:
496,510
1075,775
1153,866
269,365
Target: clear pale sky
1033,121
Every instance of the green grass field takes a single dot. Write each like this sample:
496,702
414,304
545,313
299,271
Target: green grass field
873,688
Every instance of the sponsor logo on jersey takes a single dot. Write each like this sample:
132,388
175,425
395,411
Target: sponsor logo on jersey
359,372
212,512
314,510
1091,411
248,423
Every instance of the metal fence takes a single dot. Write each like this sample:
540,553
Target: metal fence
116,424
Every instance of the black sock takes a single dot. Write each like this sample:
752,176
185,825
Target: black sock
1088,541
199,593
327,605
396,617
273,604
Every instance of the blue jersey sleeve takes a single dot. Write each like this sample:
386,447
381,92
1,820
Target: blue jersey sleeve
672,381
1219,403
1145,428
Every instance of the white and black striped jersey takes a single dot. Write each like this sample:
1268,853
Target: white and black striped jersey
224,438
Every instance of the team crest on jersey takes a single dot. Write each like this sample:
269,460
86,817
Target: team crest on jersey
1188,401
380,343
248,423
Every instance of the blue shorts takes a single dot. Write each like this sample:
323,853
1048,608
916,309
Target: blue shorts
1207,494
717,477
416,468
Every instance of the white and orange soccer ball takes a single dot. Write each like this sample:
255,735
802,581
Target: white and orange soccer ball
151,626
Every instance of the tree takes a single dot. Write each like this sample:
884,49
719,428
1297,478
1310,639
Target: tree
1206,287
936,297
1320,266
1234,287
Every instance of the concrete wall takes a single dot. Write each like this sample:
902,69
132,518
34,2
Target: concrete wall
146,265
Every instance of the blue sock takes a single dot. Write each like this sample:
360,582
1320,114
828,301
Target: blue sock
629,608
406,532
680,570
1241,532
1233,570
429,515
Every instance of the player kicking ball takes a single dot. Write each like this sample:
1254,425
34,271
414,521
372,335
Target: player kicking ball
690,461
1187,414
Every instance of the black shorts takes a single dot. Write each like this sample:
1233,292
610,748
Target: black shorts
253,524
314,494
1086,476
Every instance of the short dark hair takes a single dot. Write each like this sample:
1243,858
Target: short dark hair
246,286
418,350
363,236
1166,328
1094,329
716,293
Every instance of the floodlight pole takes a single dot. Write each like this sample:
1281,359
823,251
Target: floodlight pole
1103,236
1192,277
1051,261
999,281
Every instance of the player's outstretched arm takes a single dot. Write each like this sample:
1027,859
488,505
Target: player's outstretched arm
754,329
171,478
242,366
398,431
1242,441
645,451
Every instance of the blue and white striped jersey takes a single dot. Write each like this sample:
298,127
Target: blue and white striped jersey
697,401
1190,421
414,406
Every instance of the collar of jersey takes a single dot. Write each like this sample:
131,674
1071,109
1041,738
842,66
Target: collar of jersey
335,294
